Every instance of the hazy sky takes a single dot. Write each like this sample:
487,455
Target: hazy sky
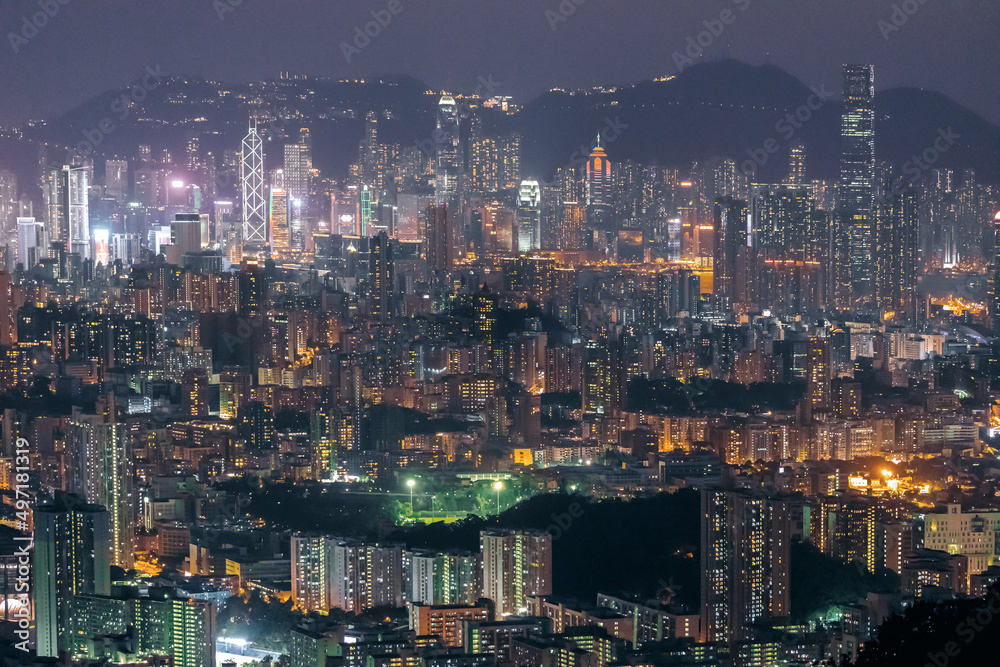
89,46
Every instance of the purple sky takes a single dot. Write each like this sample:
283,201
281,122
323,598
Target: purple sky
92,45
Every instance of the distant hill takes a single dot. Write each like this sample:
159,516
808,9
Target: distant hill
724,108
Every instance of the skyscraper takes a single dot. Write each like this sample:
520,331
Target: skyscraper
381,279
529,234
598,181
995,301
54,203
437,237
298,163
745,564
896,256
448,166
797,166
369,149
857,169
819,373
31,242
78,209
72,545
9,209
99,458
731,255
184,629
194,390
516,564
280,233
311,572
254,190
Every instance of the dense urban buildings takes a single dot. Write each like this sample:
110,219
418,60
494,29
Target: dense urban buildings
359,372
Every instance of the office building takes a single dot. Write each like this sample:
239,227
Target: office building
732,253
254,201
897,256
857,170
72,546
448,158
381,279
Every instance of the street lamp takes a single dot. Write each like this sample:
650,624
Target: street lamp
410,484
498,485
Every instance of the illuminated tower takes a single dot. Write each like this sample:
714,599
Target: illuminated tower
529,216
78,209
449,160
896,246
797,165
381,278
731,256
194,390
72,545
369,149
298,163
516,565
364,211
254,190
280,233
437,235
818,373
857,169
54,203
99,456
485,304
995,301
598,181
745,562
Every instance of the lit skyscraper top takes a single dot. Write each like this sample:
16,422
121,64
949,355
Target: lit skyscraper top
857,168
598,176
448,165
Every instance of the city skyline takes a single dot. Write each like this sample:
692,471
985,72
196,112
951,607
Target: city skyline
330,370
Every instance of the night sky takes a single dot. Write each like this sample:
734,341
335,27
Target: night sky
90,46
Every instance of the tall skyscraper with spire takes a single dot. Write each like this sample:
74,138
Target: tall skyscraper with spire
255,212
857,170
448,165
598,176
